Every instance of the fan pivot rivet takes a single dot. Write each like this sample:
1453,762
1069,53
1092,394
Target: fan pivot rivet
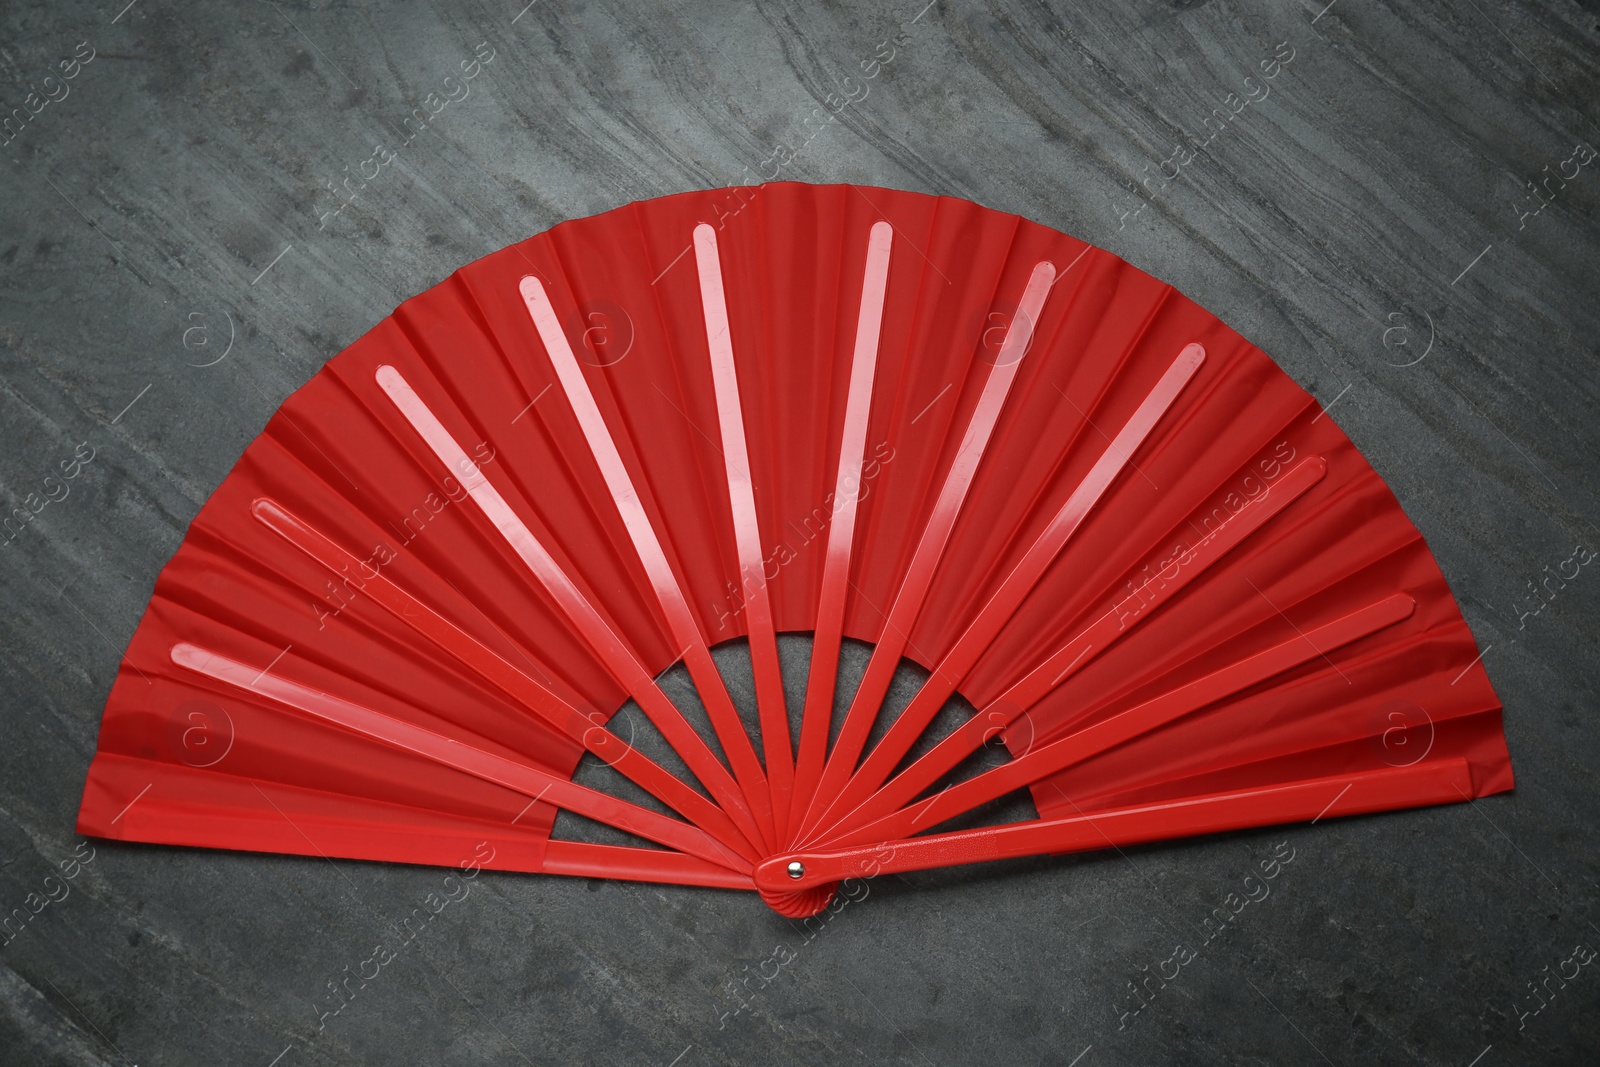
797,869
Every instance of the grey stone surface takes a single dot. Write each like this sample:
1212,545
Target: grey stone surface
1365,215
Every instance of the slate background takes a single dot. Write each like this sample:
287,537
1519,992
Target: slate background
1365,213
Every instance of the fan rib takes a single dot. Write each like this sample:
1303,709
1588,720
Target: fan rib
607,644
624,863
1091,641
686,633
1086,742
589,729
978,636
771,703
908,601
822,682
1445,781
457,755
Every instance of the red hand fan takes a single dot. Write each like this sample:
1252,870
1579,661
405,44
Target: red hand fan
1166,581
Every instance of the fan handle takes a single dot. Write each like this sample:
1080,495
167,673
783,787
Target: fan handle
1434,782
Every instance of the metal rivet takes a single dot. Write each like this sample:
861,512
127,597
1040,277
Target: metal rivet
797,869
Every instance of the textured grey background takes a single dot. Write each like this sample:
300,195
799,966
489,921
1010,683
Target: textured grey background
1366,214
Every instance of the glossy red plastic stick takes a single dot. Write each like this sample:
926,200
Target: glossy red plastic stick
1432,782
668,591
913,590
817,720
771,704
458,755
628,864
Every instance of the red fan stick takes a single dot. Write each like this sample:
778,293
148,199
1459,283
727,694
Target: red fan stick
913,591
1431,782
669,593
947,675
771,703
468,759
587,731
820,685
627,864
608,645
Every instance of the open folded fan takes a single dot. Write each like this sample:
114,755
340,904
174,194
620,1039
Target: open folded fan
1176,598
